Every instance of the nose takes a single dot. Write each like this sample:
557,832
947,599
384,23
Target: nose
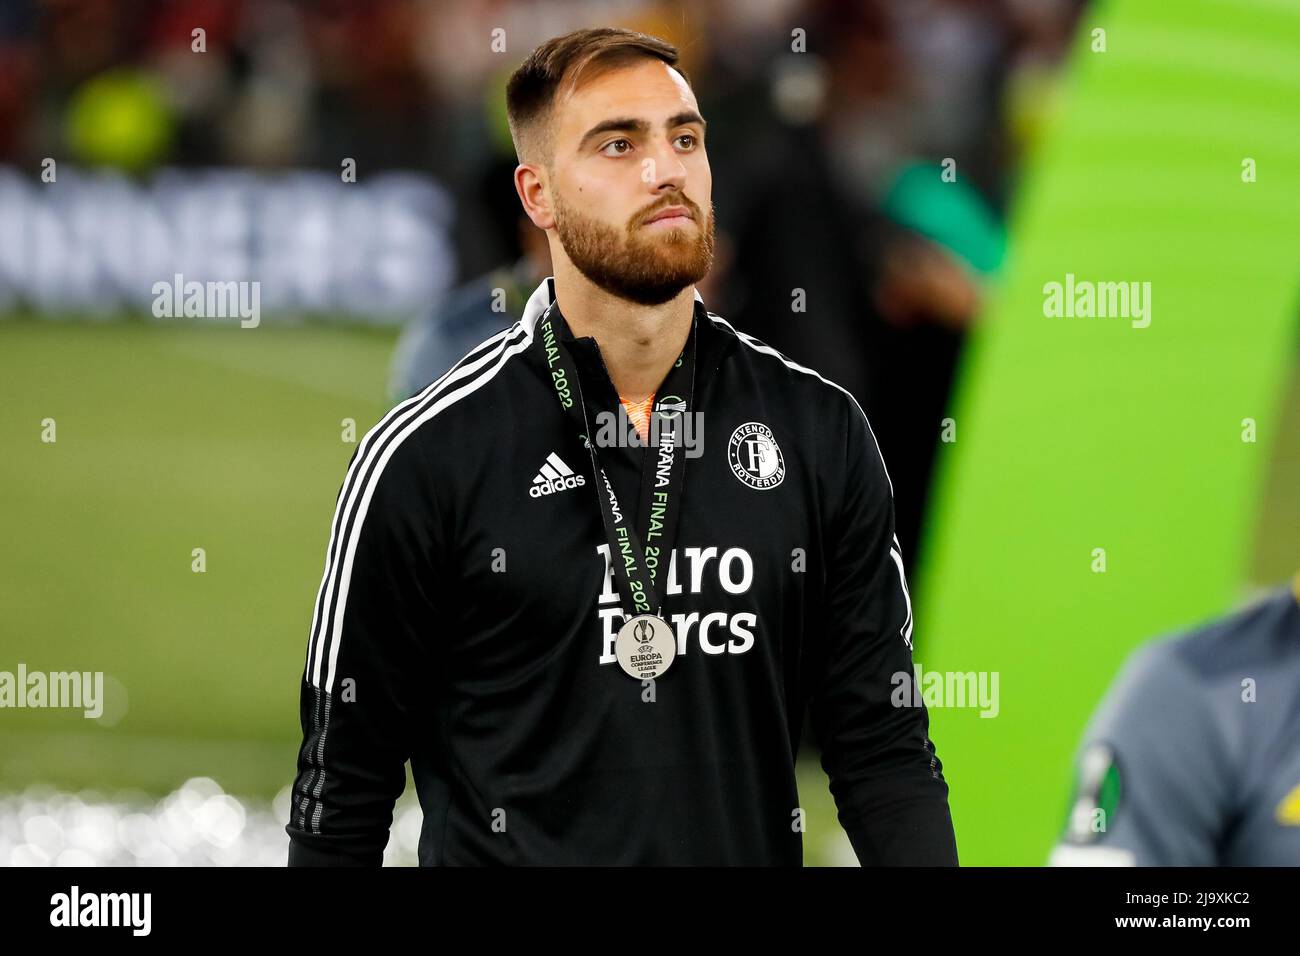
667,170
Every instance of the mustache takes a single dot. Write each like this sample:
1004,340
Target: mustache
681,199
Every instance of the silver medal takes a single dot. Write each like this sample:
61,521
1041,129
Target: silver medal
645,646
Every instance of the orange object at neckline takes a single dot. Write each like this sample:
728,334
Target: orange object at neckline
639,413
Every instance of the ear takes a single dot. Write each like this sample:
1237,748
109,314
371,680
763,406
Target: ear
534,194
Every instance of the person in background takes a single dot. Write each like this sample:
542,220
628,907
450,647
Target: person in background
433,342
1193,758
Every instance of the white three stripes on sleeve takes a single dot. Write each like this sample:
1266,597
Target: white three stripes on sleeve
376,449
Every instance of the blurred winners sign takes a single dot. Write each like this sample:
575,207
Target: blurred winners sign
96,244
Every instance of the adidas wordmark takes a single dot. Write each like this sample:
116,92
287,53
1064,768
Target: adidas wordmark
555,476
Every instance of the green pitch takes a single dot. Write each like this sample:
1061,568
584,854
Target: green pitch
170,439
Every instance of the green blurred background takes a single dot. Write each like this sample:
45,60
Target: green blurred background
1083,433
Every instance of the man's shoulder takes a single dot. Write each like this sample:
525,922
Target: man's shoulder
478,392
1199,670
1264,633
778,373
1258,636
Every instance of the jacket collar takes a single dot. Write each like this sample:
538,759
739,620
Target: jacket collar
714,342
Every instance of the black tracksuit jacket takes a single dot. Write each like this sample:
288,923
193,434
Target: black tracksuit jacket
466,619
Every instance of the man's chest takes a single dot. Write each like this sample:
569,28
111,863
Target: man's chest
536,578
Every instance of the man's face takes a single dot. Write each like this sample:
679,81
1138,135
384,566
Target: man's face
630,183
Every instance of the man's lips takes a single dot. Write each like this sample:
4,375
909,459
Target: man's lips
671,216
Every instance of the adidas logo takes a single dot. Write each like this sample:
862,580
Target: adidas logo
555,476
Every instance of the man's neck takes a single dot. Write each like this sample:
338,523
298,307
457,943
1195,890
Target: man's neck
639,343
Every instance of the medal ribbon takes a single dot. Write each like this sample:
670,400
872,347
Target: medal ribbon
635,555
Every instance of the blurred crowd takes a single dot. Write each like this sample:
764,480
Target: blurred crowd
864,151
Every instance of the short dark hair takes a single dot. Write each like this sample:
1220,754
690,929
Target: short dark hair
561,63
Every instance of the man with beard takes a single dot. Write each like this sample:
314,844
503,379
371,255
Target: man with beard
596,645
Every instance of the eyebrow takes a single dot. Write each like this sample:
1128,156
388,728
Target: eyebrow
629,125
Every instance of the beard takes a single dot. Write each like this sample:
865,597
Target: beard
633,264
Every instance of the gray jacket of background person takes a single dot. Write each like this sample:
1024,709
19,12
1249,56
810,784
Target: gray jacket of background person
1193,758
435,341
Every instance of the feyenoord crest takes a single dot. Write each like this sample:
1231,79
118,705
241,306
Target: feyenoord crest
645,646
755,457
